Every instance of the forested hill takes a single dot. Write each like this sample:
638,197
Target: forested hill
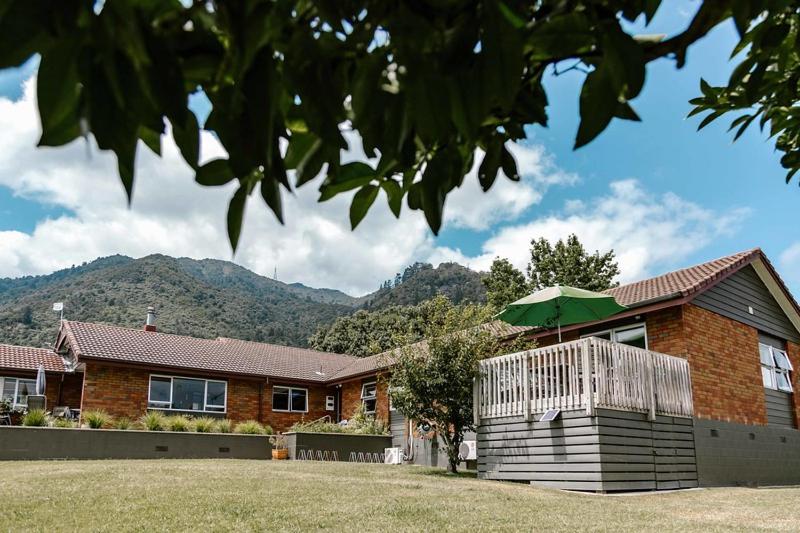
204,298
421,281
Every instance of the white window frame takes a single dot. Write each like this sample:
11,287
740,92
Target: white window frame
289,390
168,407
364,397
14,402
774,369
613,332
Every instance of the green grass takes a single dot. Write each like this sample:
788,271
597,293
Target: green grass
219,495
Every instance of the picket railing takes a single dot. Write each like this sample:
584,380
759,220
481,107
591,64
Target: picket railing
583,374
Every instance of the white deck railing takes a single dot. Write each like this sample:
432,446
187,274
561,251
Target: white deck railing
616,376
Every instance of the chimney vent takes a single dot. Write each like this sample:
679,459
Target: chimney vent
150,324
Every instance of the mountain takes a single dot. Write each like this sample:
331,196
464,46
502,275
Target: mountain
206,298
421,281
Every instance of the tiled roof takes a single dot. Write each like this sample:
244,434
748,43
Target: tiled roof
27,358
680,283
99,341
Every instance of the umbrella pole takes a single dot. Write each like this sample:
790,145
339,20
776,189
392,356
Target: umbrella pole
559,330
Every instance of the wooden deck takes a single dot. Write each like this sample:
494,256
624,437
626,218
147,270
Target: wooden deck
583,375
625,421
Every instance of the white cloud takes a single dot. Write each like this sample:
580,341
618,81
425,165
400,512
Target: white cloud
789,264
172,215
648,232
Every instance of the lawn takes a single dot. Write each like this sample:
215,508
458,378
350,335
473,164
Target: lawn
223,495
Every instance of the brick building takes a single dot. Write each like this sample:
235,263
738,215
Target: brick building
732,319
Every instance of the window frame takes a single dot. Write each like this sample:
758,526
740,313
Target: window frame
16,379
365,398
289,390
612,333
168,407
775,369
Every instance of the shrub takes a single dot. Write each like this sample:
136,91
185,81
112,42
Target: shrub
153,421
35,417
250,427
6,406
279,442
97,419
204,425
178,423
64,423
360,423
223,426
123,423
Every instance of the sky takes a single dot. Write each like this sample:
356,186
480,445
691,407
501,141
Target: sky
659,193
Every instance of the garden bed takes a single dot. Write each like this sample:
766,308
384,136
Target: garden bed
301,443
27,443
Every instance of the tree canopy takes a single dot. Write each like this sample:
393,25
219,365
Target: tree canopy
564,263
423,84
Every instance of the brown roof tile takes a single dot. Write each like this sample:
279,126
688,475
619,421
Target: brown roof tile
99,341
680,283
28,358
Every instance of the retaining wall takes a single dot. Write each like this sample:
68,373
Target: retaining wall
29,443
341,443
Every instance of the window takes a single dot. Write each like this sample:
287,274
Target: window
775,368
369,397
17,390
290,399
187,394
635,335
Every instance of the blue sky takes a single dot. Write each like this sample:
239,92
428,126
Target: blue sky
692,195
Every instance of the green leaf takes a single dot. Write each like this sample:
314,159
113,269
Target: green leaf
214,173
187,138
394,195
709,119
151,139
561,36
350,176
502,55
58,95
236,216
509,165
487,171
361,203
271,193
305,156
598,101
744,126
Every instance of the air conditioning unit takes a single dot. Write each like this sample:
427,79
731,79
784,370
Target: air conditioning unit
393,456
468,451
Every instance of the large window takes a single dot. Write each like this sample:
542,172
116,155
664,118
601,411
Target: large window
635,335
369,397
290,399
17,390
775,368
187,394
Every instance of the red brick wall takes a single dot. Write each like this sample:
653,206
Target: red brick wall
71,390
665,331
351,397
122,392
793,350
726,373
281,421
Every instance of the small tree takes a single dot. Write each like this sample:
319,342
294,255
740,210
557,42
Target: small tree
504,284
432,380
568,263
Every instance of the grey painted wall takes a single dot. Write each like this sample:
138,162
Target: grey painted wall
732,296
342,443
740,454
780,408
614,450
66,443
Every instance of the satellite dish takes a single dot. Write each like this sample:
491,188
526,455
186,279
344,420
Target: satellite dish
424,427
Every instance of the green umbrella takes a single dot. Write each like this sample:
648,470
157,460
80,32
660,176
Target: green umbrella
560,306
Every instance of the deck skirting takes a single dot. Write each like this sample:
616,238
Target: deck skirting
610,451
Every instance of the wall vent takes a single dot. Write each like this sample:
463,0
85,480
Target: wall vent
162,448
